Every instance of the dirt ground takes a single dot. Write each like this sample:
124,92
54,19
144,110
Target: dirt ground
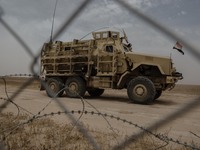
115,102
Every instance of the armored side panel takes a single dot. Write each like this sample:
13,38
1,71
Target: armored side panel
66,58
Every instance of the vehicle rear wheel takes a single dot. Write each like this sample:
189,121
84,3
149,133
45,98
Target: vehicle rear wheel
54,87
141,90
158,94
75,87
95,92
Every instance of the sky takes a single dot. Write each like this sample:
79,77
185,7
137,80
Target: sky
32,21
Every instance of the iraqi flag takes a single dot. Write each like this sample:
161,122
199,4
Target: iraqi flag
178,47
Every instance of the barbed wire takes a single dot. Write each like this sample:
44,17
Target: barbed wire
159,136
17,92
65,109
194,134
54,96
82,112
22,75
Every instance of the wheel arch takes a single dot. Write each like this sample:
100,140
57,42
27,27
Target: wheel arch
145,65
123,79
142,69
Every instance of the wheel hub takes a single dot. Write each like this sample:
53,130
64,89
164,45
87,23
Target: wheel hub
52,86
73,87
140,90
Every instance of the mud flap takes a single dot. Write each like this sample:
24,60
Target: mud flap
42,87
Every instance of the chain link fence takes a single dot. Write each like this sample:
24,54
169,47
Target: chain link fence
70,113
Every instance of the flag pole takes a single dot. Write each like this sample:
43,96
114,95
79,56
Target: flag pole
170,60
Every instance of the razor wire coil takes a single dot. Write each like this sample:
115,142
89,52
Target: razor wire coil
68,113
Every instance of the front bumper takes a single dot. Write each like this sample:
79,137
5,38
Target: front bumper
174,78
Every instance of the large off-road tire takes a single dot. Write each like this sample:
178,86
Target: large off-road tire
95,92
75,87
141,90
158,94
54,87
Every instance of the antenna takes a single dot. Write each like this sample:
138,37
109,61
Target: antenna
51,37
170,55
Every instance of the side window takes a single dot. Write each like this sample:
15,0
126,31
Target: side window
114,35
105,35
97,36
109,48
67,48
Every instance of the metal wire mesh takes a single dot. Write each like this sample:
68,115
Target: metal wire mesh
65,110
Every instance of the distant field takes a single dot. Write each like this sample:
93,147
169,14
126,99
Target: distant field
190,89
18,81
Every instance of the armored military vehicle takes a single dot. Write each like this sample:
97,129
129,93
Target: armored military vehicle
104,62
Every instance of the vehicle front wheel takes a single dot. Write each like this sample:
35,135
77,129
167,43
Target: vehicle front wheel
141,90
75,87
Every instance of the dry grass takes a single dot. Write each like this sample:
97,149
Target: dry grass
43,134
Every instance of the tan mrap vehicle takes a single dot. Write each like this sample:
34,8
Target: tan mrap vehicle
104,62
